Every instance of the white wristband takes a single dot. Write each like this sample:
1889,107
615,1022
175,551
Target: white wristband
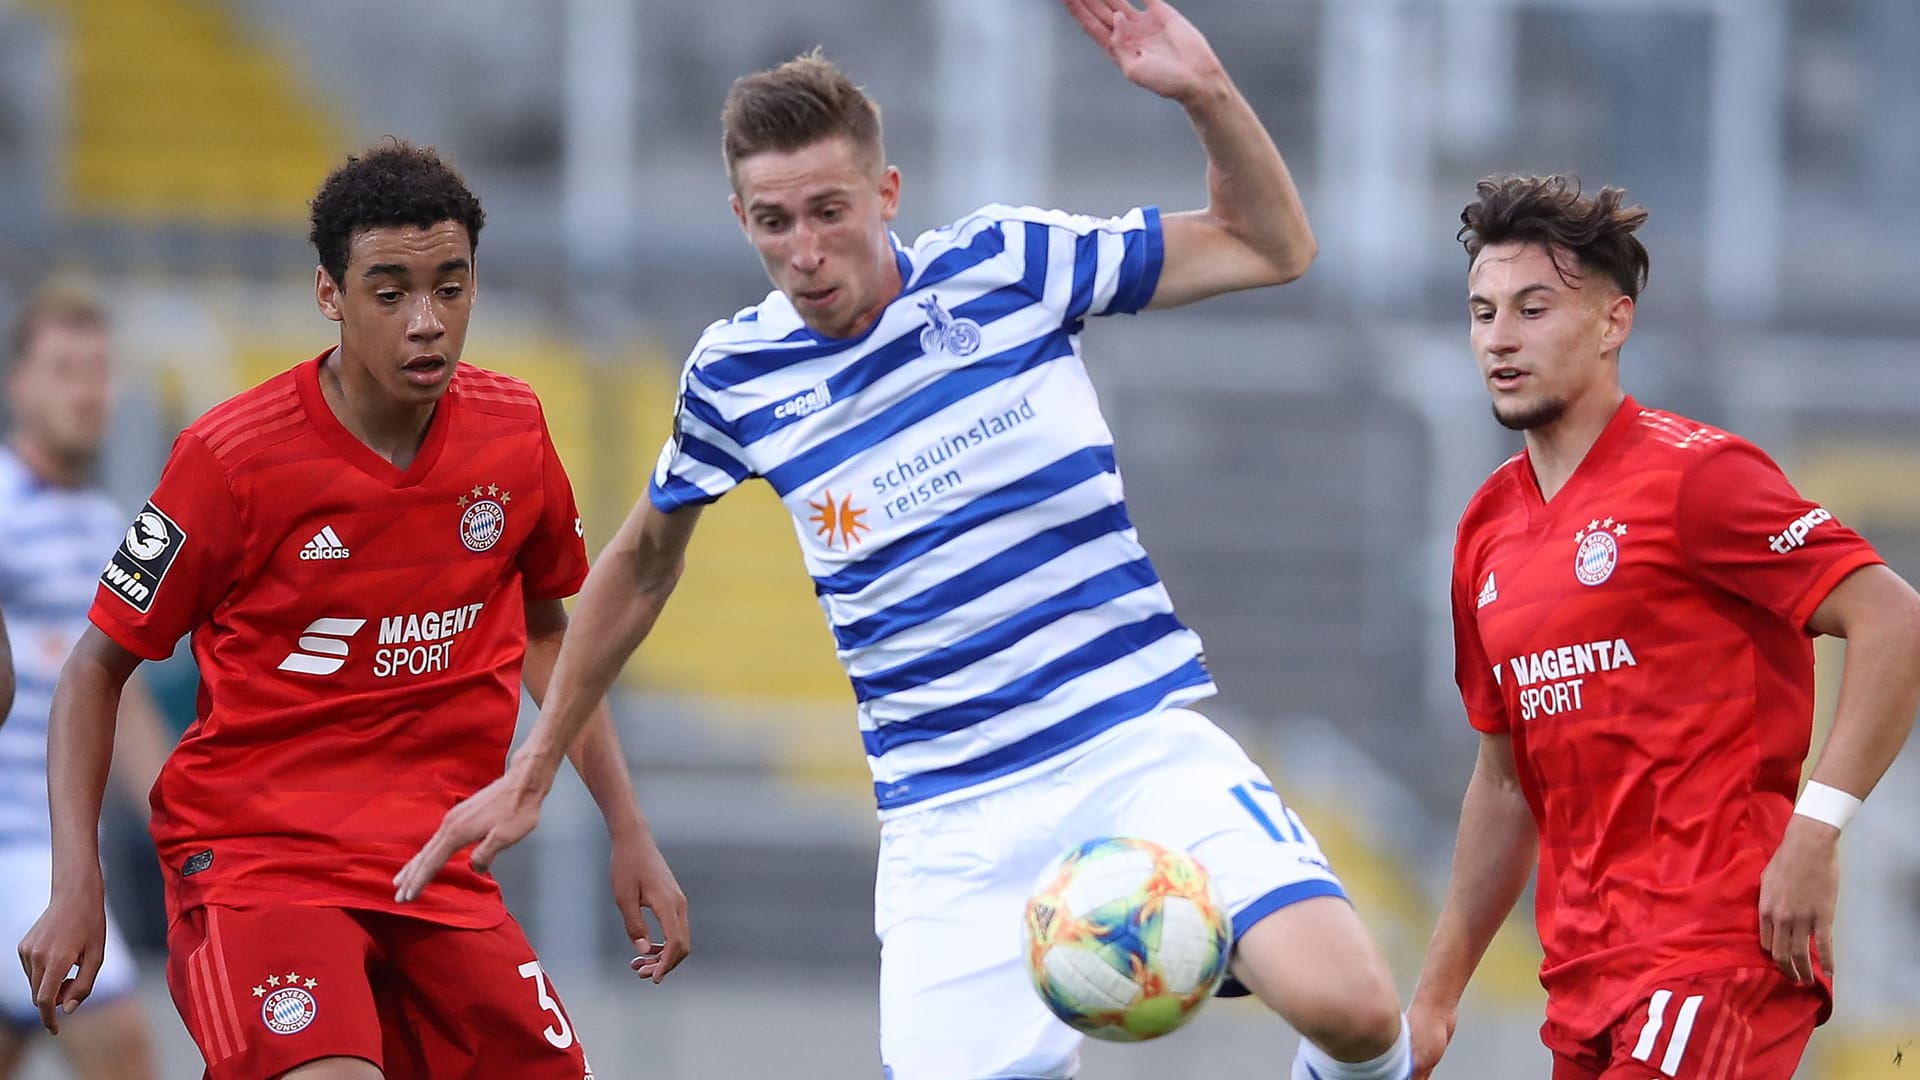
1828,805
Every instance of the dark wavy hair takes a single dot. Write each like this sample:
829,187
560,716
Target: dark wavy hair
1551,211
391,183
797,104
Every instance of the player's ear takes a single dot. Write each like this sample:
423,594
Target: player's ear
326,294
889,192
1619,315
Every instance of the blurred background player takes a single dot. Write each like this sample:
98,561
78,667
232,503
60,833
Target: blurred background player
1635,596
369,551
924,414
57,530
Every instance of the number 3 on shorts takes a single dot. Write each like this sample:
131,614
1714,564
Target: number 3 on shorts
561,1037
1288,829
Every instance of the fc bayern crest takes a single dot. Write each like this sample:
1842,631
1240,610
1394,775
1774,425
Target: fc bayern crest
484,518
288,1010
1599,551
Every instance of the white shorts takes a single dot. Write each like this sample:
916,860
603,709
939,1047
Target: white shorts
26,881
955,999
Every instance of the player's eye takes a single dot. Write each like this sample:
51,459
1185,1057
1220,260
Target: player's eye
450,290
388,296
769,223
1483,315
832,213
1530,312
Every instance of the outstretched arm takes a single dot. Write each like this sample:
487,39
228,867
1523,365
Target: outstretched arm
1492,859
1879,615
618,606
73,930
1254,231
642,880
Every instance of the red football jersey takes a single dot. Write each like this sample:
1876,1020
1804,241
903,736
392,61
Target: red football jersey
1642,637
359,630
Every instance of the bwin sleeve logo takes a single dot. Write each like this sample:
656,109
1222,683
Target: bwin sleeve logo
141,561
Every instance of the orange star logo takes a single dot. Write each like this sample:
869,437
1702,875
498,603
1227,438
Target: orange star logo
839,522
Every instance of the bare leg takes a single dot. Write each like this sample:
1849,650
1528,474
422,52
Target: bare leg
1314,964
109,1041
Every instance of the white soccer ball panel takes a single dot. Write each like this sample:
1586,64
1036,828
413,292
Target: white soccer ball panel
1108,878
1187,952
1092,984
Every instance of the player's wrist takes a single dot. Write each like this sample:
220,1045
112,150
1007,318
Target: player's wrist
1827,805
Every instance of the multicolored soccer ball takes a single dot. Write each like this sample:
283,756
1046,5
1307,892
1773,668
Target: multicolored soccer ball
1125,939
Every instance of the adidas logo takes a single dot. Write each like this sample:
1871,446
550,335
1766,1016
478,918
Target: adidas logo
325,545
1488,594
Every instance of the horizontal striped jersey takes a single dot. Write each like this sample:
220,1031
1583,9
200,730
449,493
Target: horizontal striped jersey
53,541
953,487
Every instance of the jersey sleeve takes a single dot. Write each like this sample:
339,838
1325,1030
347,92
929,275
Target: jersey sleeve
1747,530
1478,679
179,557
703,459
1093,265
553,562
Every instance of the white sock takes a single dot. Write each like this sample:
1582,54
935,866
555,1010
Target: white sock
1313,1063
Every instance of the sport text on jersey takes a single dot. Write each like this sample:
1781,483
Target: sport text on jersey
425,640
1550,681
139,564
1795,535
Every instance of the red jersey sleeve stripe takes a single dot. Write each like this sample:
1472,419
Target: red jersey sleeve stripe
231,429
1831,577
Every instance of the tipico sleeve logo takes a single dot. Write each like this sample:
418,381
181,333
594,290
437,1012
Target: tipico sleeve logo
141,561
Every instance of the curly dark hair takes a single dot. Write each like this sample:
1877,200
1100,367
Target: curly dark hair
392,182
1551,211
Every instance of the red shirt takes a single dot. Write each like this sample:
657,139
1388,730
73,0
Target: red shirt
359,630
1642,637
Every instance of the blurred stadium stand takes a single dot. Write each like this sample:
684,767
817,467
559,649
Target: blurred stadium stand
1296,458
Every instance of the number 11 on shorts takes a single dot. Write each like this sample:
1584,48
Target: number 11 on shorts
562,1036
1287,828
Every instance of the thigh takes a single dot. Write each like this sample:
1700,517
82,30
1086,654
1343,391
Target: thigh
470,1004
956,1002
264,990
1739,1024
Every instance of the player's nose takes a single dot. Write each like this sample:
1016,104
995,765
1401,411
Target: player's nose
423,321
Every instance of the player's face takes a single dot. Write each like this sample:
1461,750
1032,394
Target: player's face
818,216
1544,343
403,308
59,392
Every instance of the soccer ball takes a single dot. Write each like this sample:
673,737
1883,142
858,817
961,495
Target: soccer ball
1125,939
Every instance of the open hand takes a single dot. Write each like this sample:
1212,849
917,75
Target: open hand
1156,49
494,818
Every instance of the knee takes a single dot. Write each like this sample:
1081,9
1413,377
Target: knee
1357,1018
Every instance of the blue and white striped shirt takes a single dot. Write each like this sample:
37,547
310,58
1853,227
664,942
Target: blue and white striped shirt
53,542
953,487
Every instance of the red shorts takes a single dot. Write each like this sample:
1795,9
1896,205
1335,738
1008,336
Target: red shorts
1733,1024
266,989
